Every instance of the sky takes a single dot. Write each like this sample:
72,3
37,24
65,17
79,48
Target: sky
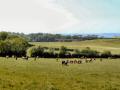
60,16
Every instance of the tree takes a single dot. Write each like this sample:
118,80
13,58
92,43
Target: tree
89,52
5,48
18,46
63,50
106,54
77,51
35,51
3,35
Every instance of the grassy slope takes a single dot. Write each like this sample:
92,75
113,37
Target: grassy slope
99,44
47,74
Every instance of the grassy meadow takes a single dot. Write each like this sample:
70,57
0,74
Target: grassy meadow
100,44
48,74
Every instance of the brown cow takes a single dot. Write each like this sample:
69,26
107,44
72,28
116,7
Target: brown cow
65,63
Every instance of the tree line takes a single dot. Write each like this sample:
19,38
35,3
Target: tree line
47,37
16,45
12,45
64,52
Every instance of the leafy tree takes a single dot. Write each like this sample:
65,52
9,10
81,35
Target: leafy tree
106,54
89,52
35,51
63,50
51,51
3,35
5,48
77,51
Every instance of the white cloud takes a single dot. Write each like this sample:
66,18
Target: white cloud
35,16
56,18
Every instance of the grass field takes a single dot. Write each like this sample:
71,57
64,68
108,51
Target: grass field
48,74
100,44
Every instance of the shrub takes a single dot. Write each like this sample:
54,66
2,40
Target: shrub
18,46
15,46
63,50
35,51
3,35
106,54
89,52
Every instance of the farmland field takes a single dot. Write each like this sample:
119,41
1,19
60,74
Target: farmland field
100,44
48,74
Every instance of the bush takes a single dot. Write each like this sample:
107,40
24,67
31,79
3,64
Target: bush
18,46
63,50
3,35
87,52
35,51
106,54
15,46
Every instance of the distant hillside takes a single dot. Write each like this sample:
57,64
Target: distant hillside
98,44
109,35
48,37
103,35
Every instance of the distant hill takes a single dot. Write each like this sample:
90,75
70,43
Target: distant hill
108,35
112,45
48,37
104,35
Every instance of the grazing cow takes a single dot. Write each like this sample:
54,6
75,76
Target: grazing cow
75,61
65,63
7,57
26,58
37,56
86,61
90,60
94,59
71,62
13,56
79,62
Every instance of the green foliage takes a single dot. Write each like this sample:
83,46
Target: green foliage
35,51
63,50
5,47
46,37
106,54
89,52
12,45
51,51
12,36
3,35
77,51
100,45
47,74
18,45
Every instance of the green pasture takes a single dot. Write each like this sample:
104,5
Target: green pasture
49,74
99,44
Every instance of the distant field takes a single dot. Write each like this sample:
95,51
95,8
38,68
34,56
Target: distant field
48,74
100,44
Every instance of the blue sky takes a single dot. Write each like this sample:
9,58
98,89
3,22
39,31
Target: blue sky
60,16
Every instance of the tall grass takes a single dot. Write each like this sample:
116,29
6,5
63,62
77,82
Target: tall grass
48,74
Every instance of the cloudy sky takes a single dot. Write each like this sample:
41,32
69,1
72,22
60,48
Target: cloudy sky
60,16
